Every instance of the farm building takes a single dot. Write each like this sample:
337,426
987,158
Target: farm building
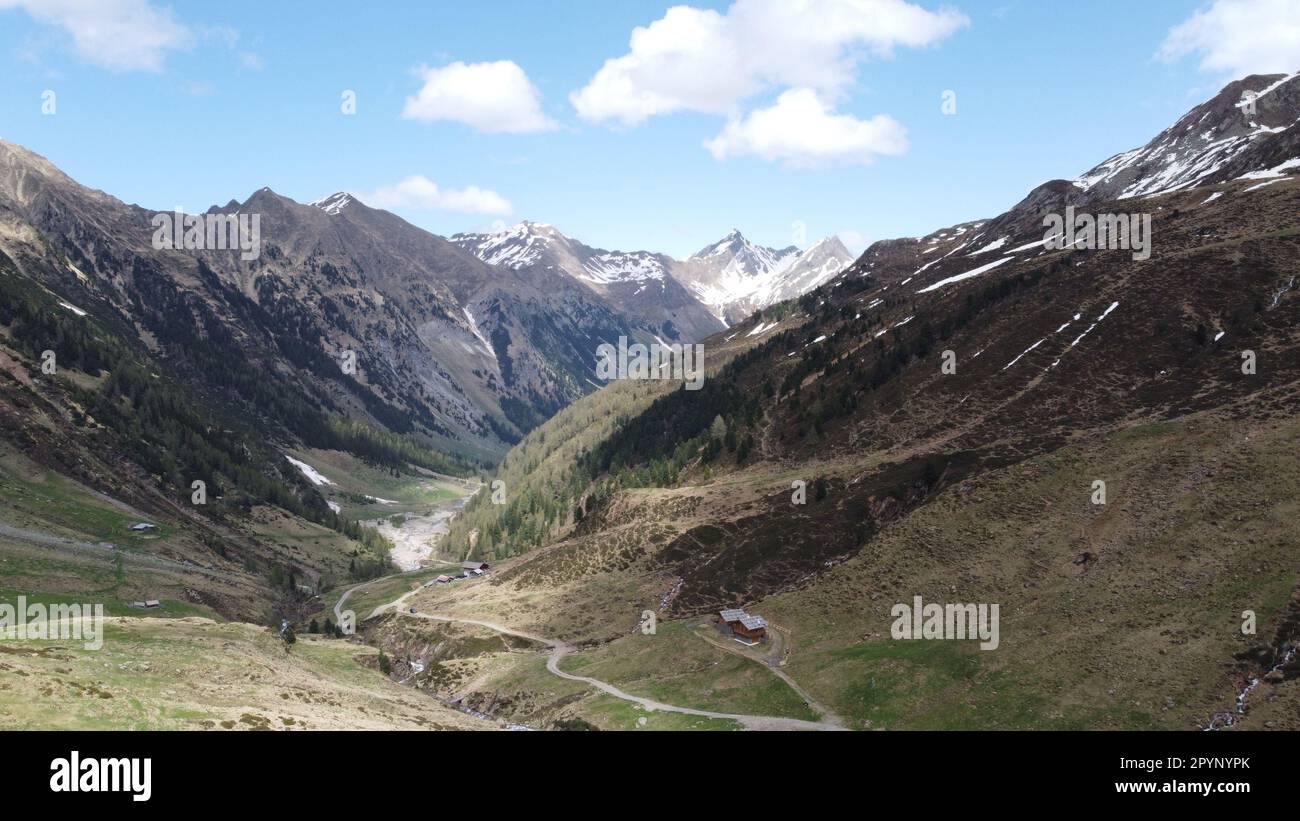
480,566
752,628
141,527
744,627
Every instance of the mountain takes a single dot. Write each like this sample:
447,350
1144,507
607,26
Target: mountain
233,368
518,341
1099,441
735,277
1226,136
472,355
638,284
675,300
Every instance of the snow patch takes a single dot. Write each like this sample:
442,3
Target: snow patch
313,475
959,277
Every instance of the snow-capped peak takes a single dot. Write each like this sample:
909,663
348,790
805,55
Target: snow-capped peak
334,203
516,247
735,277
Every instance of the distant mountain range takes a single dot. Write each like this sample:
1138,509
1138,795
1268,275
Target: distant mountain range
639,284
467,344
729,280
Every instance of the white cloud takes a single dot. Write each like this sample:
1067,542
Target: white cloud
495,98
856,241
700,60
802,130
121,35
1240,37
419,193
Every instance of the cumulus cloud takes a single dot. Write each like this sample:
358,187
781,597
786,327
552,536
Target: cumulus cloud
120,35
495,98
419,193
701,60
1240,37
802,130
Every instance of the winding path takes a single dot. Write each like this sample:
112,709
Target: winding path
560,649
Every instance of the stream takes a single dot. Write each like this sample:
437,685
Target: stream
1228,719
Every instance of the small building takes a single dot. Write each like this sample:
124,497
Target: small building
482,566
152,603
752,629
442,580
141,527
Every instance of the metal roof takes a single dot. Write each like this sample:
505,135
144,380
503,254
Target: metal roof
733,615
753,622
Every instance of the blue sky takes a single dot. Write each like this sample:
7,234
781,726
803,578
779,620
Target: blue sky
190,104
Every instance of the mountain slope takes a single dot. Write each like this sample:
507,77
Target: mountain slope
448,348
1210,143
174,366
1072,367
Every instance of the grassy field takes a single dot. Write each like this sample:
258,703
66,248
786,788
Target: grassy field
353,480
167,609
609,713
517,687
171,674
676,667
33,497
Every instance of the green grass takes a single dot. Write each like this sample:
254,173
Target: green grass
168,609
609,713
676,667
382,591
51,499
168,674
353,479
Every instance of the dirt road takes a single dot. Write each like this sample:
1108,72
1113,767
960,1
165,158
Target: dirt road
560,649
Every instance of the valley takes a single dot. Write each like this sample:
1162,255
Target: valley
242,457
